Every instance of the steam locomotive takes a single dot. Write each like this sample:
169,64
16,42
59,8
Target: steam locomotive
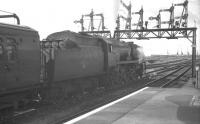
26,63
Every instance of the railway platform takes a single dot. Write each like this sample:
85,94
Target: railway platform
149,106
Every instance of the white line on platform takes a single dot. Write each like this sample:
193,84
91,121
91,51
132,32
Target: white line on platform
24,112
102,107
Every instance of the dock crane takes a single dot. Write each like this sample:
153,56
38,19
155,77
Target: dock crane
91,25
158,19
128,18
118,27
171,20
140,21
91,15
183,19
102,21
81,21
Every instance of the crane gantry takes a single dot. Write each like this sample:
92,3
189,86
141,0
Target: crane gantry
91,27
140,22
128,19
177,27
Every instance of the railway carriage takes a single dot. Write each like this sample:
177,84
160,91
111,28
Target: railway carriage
19,58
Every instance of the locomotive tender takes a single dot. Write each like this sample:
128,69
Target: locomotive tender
69,55
26,63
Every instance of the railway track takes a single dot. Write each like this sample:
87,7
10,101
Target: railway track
169,78
165,81
156,65
162,82
167,68
170,63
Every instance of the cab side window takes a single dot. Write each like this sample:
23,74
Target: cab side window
11,48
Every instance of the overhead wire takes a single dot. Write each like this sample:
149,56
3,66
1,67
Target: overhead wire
6,11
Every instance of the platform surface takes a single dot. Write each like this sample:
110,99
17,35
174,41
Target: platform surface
152,106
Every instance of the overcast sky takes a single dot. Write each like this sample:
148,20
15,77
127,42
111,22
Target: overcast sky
48,16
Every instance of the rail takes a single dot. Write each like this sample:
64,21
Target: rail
161,82
176,78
